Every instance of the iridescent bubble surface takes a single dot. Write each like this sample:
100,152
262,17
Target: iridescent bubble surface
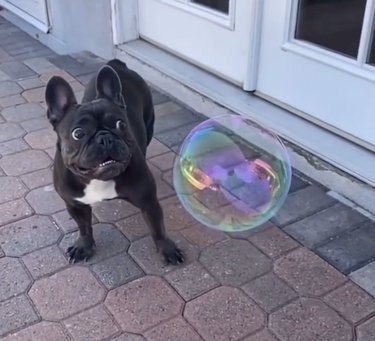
231,174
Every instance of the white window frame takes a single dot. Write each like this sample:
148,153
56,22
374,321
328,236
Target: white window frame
357,67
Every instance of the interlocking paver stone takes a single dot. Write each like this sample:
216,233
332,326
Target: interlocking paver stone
366,331
158,97
175,329
273,242
94,325
37,179
46,76
38,332
156,148
351,302
72,290
16,70
35,124
365,278
309,320
45,200
133,227
352,249
191,281
41,139
143,304
16,313
234,262
174,137
11,188
297,184
203,236
31,83
27,235
263,335
109,242
8,88
129,337
301,204
24,162
175,216
324,225
23,112
117,270
14,210
174,120
45,261
35,95
224,314
64,221
166,108
307,274
11,101
269,292
164,162
9,131
40,65
13,146
13,280
145,254
114,210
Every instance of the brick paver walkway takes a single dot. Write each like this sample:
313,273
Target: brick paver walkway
267,285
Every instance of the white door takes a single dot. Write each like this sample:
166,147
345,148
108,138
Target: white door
318,57
33,11
217,35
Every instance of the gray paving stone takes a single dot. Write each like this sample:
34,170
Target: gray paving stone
35,124
17,70
27,235
14,210
174,120
31,83
297,184
13,146
325,224
352,249
12,100
16,313
301,204
26,162
14,279
8,88
40,65
234,262
9,131
11,189
166,108
72,66
23,112
117,270
4,56
109,242
173,138
37,179
365,278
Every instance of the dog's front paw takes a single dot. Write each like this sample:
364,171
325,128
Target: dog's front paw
171,253
82,249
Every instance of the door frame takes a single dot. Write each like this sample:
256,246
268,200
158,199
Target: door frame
125,28
42,26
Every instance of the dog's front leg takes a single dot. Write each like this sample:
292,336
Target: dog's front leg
83,248
153,215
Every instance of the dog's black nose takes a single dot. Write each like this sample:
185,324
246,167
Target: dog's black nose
105,139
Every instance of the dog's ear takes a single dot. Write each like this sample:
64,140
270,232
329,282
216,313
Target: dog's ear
108,85
59,98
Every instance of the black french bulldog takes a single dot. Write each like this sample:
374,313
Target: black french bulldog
101,148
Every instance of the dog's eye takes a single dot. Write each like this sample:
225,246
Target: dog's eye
78,134
120,125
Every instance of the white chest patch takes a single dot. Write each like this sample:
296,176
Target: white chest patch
97,191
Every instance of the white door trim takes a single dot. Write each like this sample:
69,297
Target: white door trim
44,27
124,21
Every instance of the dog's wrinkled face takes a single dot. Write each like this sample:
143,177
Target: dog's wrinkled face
94,138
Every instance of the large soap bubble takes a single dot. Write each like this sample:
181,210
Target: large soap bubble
232,174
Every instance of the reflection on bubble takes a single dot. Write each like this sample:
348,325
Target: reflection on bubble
231,174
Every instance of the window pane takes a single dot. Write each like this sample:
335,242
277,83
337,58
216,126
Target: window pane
333,24
371,57
219,5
